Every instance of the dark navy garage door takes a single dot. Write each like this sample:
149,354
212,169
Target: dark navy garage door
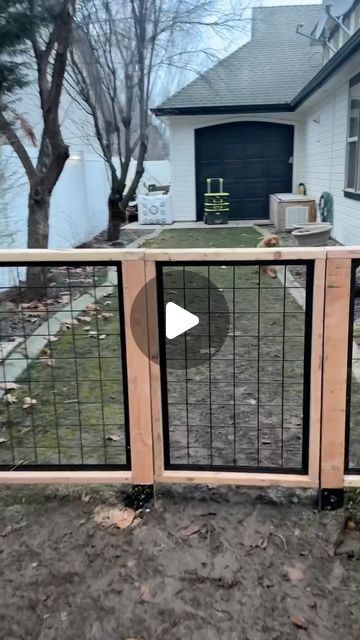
255,160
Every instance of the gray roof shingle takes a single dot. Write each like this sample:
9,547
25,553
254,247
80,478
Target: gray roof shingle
268,70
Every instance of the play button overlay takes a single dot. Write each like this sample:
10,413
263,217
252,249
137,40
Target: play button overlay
179,321
194,305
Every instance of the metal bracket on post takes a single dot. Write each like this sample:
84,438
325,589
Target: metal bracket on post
331,499
140,496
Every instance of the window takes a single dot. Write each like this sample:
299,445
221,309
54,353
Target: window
352,181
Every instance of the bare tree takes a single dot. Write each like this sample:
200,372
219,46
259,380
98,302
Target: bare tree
119,51
49,39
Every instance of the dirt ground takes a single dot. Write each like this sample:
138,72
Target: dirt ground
204,564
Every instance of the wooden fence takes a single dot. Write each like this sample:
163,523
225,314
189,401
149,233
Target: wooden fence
328,423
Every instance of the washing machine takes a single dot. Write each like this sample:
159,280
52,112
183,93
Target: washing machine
154,208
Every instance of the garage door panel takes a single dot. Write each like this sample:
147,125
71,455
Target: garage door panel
255,169
252,157
276,169
255,188
256,150
255,209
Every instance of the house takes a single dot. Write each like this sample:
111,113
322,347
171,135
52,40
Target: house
283,109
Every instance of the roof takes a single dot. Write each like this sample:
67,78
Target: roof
269,70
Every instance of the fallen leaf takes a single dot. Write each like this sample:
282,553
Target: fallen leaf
113,437
9,398
263,543
145,594
299,622
191,530
3,441
29,402
121,518
350,524
8,386
295,573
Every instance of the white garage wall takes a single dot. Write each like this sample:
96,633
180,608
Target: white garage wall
321,158
182,155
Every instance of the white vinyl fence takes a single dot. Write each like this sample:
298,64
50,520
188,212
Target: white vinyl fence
78,206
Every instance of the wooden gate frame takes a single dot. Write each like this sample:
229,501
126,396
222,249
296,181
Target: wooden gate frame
238,255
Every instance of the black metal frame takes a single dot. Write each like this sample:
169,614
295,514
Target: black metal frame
119,287
354,470
308,316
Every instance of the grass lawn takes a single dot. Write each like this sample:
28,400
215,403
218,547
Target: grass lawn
76,383
231,237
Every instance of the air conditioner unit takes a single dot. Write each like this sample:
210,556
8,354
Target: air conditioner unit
287,209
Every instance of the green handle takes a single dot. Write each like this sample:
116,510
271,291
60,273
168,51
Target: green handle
220,181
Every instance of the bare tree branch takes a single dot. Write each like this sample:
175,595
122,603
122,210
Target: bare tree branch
13,139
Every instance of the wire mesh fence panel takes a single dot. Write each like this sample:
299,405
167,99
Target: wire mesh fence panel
352,455
63,388
236,387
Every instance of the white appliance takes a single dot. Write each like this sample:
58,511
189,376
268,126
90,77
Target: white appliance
154,208
287,209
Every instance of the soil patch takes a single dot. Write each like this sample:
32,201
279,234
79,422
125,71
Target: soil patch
204,564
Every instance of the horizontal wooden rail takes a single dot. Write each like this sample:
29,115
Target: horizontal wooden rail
68,256
65,477
237,255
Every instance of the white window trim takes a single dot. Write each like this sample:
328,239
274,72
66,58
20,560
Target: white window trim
352,140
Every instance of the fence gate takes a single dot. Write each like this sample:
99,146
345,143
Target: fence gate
240,391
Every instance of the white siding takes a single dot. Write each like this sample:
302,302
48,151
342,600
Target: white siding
182,156
322,160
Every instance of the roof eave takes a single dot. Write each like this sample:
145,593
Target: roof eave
221,110
337,60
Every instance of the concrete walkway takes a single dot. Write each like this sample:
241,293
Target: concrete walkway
195,225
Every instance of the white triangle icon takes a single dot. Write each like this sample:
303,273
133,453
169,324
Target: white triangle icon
178,320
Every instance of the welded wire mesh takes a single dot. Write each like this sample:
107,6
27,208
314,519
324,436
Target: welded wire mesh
241,401
63,385
352,456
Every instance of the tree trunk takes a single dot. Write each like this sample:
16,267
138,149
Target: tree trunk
38,237
117,215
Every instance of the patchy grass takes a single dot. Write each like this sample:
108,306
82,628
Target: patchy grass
231,237
76,382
